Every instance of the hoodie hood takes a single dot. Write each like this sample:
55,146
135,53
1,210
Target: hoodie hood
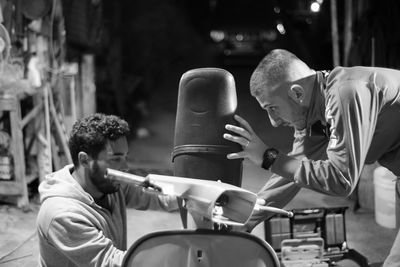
62,184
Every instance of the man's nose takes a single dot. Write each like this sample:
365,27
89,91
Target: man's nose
275,121
123,166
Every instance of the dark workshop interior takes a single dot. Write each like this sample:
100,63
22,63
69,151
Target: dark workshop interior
70,58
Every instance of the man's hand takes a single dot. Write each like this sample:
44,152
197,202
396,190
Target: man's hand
253,146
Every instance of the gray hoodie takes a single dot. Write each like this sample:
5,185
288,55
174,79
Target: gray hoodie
74,231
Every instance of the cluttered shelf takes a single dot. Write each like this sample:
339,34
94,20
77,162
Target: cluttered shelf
41,95
20,124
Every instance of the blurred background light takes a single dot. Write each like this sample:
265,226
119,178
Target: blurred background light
217,36
280,28
315,7
239,37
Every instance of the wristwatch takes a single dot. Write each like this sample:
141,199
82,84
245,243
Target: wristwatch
269,157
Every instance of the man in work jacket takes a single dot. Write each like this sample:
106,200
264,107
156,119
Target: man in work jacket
342,120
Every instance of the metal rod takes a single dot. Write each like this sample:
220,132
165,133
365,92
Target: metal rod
129,178
124,177
274,210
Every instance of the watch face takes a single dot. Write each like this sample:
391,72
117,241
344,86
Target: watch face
272,153
269,158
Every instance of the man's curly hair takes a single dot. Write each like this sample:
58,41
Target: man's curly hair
90,134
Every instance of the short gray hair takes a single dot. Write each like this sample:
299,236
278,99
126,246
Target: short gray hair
272,69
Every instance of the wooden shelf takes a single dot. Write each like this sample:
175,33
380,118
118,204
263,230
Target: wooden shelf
10,188
18,187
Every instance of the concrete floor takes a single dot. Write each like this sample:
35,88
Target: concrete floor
18,240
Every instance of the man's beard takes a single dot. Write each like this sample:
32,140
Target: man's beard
97,176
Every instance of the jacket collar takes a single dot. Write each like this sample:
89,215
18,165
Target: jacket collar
316,111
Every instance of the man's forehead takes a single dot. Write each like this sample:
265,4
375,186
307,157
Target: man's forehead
268,90
273,93
119,146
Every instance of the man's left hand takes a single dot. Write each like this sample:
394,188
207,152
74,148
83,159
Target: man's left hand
253,146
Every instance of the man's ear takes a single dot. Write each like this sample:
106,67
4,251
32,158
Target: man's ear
297,93
83,159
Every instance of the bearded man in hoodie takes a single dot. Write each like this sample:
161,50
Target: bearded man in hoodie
82,218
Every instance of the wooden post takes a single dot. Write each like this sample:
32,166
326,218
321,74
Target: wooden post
373,51
335,35
114,59
67,88
88,85
60,129
73,116
348,30
45,166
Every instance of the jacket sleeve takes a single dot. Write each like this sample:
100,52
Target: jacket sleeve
82,242
279,191
143,199
351,110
